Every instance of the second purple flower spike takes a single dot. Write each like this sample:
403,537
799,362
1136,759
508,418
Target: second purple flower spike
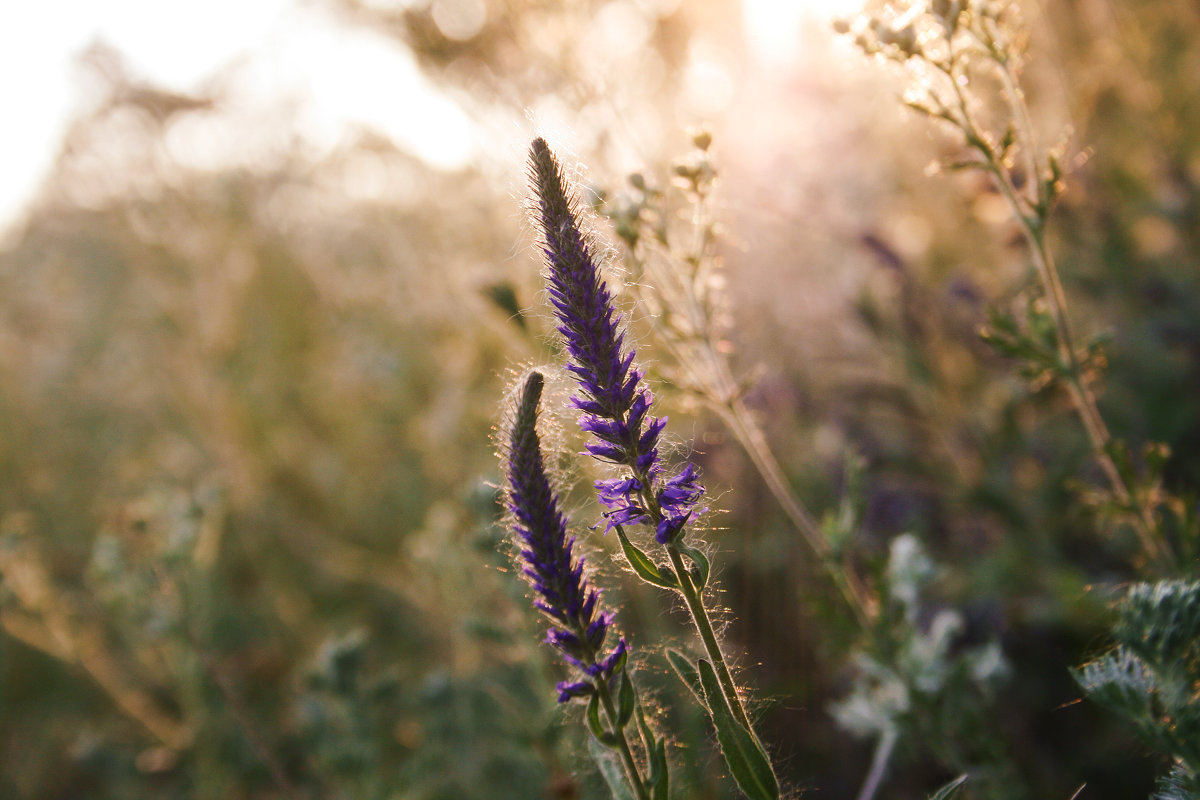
578,629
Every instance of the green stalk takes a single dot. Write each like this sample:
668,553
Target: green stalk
720,390
1031,218
737,417
708,636
622,744
695,604
879,763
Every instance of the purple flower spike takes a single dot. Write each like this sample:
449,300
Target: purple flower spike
615,405
577,629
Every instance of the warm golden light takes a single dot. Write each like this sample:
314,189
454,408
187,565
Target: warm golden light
772,26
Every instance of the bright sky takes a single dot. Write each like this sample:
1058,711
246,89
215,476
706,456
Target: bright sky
286,53
773,24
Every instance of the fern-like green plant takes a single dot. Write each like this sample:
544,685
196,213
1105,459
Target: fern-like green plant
1152,677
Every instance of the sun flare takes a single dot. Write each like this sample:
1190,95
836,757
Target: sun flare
772,26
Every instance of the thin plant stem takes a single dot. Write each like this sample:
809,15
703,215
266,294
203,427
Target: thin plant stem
1033,224
750,436
631,768
1084,400
879,763
708,636
696,609
245,722
721,393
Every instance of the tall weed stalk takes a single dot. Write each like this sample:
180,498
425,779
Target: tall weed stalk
954,50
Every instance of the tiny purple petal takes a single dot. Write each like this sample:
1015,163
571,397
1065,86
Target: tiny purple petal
670,527
606,452
567,691
611,662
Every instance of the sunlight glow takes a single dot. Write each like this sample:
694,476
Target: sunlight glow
283,55
773,26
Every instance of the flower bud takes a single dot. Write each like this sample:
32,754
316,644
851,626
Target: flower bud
906,40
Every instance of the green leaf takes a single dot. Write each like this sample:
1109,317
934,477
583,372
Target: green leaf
610,768
965,164
660,778
1157,454
619,665
950,789
626,701
686,672
921,108
644,729
747,762
646,569
702,567
603,736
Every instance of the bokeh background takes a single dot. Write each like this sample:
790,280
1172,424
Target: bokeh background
258,316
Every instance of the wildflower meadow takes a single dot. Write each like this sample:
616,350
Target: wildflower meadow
770,405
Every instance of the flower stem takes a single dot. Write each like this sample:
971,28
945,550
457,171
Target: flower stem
1031,218
879,762
622,744
695,604
715,383
738,418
